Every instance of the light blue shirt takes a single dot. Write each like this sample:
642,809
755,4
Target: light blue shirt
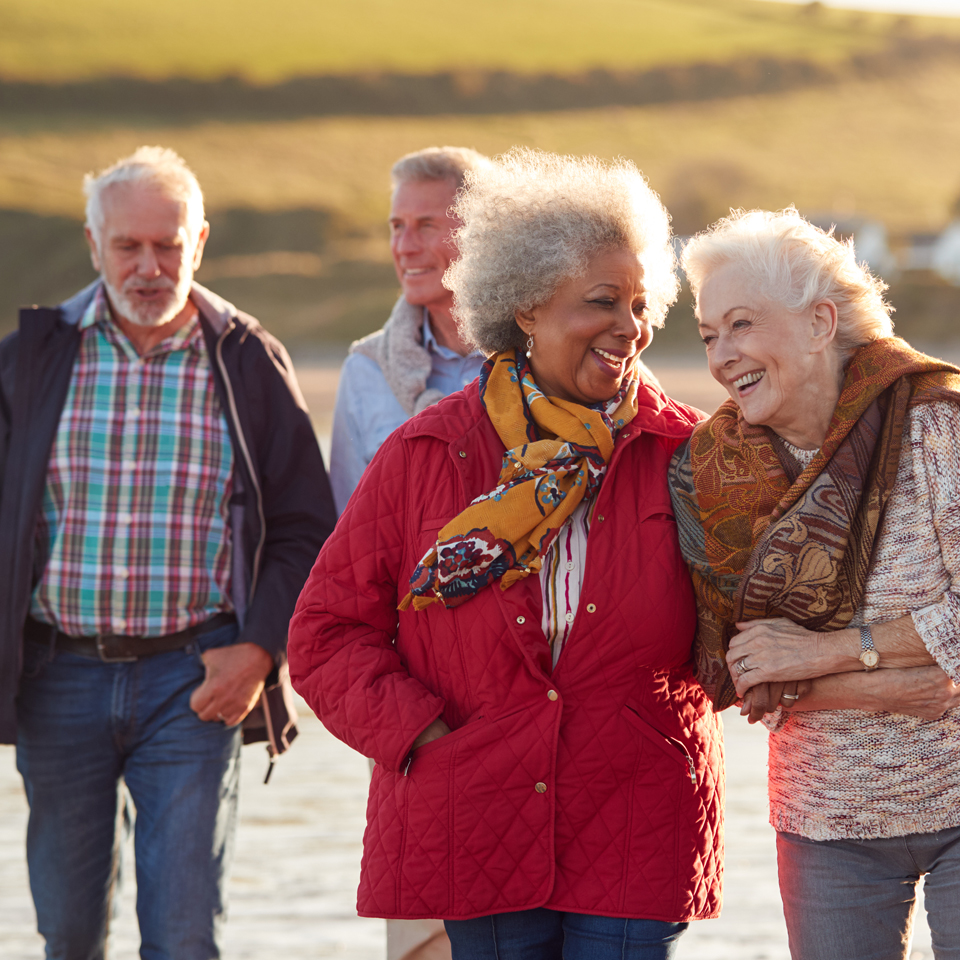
367,412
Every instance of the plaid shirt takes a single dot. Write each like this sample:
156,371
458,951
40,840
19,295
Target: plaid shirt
134,529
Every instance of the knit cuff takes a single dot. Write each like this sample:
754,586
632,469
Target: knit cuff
775,721
939,629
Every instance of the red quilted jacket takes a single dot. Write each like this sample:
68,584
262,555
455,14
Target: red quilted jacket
594,788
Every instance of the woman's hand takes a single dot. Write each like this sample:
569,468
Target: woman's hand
764,698
436,730
774,651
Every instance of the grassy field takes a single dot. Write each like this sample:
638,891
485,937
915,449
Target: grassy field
57,40
885,148
298,206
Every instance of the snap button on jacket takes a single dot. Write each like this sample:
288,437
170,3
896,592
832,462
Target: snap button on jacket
596,787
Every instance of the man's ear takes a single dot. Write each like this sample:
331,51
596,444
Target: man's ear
201,242
824,325
526,321
92,244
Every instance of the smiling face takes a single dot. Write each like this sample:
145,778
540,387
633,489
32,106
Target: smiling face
145,253
780,367
420,241
588,335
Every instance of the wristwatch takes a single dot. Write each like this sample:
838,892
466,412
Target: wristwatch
868,656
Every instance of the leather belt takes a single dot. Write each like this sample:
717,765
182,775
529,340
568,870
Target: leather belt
116,647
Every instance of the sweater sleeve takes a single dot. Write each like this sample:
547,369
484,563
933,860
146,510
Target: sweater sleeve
935,445
343,659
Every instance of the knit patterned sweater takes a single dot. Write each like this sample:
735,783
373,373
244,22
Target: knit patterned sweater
837,774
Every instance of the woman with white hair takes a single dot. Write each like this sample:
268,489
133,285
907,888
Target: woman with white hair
548,772
819,513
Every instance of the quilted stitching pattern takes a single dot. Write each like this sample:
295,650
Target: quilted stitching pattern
620,829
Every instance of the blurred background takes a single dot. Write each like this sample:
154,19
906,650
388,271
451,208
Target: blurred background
292,112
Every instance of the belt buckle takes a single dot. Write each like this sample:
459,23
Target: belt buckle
106,657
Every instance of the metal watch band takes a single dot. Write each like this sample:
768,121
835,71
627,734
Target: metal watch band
868,656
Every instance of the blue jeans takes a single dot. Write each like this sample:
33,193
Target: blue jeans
855,898
83,727
546,934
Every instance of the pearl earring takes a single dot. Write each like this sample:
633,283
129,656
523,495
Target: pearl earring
529,346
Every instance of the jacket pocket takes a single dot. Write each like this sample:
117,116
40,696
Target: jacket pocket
662,828
441,743
468,798
670,746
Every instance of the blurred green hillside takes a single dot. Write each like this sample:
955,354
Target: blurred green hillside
298,202
57,40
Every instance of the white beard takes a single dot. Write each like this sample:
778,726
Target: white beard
150,314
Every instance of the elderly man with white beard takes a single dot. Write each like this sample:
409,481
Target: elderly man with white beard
162,499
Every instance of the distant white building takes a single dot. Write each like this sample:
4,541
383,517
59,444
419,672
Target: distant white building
919,252
945,257
870,241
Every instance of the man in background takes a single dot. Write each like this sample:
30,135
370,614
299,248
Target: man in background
162,499
418,357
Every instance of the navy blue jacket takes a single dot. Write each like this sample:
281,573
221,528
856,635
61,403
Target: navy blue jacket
281,509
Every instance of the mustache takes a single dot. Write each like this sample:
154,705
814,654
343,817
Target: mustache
159,283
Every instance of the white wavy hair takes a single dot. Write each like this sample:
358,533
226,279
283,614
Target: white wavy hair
532,220
158,166
795,264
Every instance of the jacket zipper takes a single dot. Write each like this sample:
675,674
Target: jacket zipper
258,552
247,459
691,767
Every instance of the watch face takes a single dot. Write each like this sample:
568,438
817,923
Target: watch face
870,659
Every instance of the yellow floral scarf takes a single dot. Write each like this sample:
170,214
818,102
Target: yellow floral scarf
557,453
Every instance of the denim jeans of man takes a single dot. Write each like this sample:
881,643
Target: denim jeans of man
855,899
547,934
84,729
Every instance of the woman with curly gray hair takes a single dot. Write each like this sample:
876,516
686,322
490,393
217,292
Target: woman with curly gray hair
548,772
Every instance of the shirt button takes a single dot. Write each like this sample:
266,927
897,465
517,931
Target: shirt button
591,608
133,411
119,623
123,573
521,619
552,695
569,618
128,464
463,454
540,787
124,518
570,564
600,517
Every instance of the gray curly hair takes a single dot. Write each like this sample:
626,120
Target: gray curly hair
533,220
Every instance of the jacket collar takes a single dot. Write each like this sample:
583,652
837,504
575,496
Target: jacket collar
219,313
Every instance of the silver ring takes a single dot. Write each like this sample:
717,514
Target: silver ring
742,667
790,696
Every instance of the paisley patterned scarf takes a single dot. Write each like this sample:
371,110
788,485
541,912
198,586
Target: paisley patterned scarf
557,453
764,537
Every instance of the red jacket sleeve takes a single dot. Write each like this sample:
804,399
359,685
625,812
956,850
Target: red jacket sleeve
343,661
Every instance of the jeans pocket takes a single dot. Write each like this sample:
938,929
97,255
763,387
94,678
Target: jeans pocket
36,656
